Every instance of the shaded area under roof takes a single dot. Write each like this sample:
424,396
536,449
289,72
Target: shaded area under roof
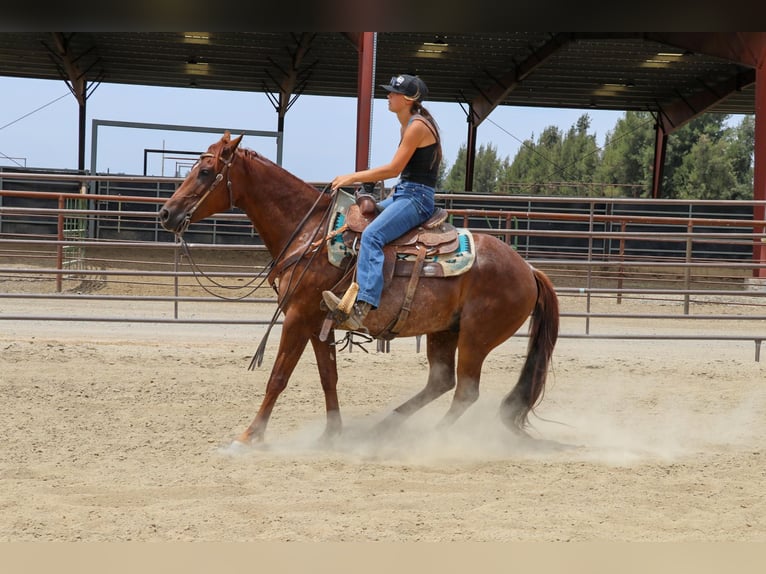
608,71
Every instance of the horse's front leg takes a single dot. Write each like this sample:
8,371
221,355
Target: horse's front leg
291,345
328,377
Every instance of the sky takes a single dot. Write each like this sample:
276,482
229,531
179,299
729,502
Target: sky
39,119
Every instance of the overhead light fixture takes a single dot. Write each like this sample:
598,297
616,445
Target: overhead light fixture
662,59
197,67
613,88
432,49
655,63
196,37
625,84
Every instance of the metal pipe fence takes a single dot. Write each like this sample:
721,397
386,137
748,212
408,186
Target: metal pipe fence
92,250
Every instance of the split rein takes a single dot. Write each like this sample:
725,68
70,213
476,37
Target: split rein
312,247
196,269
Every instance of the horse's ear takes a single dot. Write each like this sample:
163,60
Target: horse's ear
226,137
230,146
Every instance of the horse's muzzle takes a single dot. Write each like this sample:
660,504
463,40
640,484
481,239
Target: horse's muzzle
173,222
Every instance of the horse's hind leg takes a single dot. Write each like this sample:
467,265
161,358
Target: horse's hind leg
468,377
441,378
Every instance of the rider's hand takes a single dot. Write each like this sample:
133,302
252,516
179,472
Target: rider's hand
343,180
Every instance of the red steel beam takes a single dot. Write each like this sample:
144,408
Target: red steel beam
759,168
684,110
493,96
365,80
741,47
660,147
470,156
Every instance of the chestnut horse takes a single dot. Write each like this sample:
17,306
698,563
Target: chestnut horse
468,314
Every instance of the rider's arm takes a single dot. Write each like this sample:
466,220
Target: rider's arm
414,136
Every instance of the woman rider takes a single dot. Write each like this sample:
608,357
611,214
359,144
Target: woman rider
416,161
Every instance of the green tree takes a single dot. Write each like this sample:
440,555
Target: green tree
486,169
679,149
442,175
705,158
455,180
556,157
705,171
535,164
740,153
628,154
579,158
516,175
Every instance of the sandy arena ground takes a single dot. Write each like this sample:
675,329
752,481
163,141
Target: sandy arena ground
123,431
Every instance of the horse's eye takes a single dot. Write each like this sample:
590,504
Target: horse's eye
204,172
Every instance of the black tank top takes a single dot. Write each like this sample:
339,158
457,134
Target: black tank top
423,167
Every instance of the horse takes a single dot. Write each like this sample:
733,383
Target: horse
466,315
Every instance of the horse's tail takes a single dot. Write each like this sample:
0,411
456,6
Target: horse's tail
543,333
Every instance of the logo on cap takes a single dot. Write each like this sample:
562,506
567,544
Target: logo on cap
411,87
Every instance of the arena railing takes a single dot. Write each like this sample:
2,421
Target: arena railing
685,262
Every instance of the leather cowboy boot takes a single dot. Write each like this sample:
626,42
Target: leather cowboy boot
353,319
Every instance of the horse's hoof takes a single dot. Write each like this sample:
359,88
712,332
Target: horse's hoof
238,447
235,447
329,439
389,426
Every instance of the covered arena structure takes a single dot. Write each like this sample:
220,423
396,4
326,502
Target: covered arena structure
675,76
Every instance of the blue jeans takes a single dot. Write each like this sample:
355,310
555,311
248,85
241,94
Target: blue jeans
408,206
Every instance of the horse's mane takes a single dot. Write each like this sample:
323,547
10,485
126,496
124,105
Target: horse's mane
253,155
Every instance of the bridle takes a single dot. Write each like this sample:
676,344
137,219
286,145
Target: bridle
218,179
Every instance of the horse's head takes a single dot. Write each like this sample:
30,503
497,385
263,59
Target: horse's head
204,191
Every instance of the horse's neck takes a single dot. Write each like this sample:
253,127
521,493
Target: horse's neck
277,203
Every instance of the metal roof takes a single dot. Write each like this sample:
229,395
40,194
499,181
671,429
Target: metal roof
609,71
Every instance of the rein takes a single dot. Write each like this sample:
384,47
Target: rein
278,264
312,248
197,271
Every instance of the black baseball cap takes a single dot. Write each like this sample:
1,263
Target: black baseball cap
411,87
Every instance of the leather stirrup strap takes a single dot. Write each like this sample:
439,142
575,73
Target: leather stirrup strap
404,312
